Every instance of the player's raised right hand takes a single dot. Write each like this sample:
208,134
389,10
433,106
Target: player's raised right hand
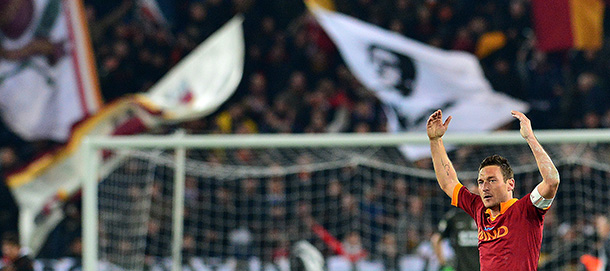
435,126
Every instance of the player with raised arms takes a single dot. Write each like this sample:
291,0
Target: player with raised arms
509,229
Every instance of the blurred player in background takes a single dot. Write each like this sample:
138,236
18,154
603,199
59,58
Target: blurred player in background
461,230
509,229
600,257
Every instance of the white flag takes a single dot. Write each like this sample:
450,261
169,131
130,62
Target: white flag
206,78
196,87
42,96
413,79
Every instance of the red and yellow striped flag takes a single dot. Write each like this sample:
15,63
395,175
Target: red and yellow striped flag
567,24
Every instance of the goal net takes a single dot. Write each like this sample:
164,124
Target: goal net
363,206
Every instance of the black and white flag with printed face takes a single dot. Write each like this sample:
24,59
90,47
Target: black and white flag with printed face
413,79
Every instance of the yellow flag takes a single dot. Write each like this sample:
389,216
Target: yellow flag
587,23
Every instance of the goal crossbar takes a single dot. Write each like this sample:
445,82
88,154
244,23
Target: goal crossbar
342,140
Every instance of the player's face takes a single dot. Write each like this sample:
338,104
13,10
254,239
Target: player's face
492,187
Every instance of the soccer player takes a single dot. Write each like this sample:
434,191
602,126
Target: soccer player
461,230
509,229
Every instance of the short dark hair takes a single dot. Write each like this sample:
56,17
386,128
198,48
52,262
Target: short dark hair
10,238
497,160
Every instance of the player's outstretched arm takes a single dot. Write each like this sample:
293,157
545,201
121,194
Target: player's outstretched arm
445,173
550,175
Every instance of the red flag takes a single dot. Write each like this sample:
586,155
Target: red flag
567,24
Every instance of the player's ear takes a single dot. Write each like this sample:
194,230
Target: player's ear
511,184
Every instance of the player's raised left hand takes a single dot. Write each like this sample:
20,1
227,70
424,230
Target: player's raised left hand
524,122
435,126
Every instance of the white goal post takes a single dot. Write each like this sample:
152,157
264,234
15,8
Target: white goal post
179,144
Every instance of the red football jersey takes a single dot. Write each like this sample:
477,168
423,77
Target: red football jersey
512,239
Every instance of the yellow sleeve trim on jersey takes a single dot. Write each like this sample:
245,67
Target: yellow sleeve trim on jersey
456,192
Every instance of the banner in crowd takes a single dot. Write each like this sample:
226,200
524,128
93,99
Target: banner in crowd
203,80
577,24
197,86
48,80
413,79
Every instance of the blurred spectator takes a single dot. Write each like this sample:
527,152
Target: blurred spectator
15,258
8,159
99,26
388,251
332,201
544,88
8,210
589,102
281,117
505,79
229,120
415,223
353,248
602,246
373,215
257,97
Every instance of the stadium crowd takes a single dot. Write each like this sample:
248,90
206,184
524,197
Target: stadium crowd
296,82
